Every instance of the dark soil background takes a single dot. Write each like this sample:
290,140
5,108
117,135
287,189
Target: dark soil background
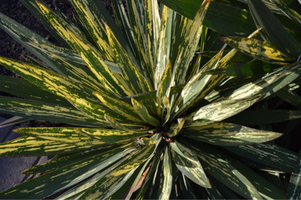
18,12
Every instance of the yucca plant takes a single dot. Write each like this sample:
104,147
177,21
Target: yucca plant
137,114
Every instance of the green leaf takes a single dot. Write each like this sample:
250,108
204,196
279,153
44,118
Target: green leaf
273,31
228,134
32,6
267,154
65,177
259,117
223,171
187,8
228,20
167,175
142,111
289,96
261,50
294,187
187,162
251,68
268,84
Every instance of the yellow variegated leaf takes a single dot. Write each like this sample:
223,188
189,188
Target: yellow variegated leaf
176,128
257,49
120,107
99,68
167,175
188,163
115,124
228,134
131,74
89,14
219,111
142,111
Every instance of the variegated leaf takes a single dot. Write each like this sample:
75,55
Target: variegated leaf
67,176
89,14
176,128
167,175
188,163
227,134
142,111
99,68
260,50
219,111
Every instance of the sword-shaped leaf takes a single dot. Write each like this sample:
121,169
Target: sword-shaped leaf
175,129
188,163
13,121
120,107
99,68
91,17
164,45
46,111
294,187
66,177
32,6
81,136
142,111
259,117
223,171
188,47
261,50
273,31
228,134
137,82
267,154
251,68
137,20
219,111
167,176
268,84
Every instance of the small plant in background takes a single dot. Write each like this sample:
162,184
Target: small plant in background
147,108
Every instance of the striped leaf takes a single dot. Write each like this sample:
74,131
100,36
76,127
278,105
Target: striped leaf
260,50
223,171
294,187
115,124
188,163
164,45
46,111
66,177
142,111
227,134
131,74
120,107
175,129
259,117
65,160
89,14
81,188
167,175
13,121
218,111
99,68
268,84
81,136
138,25
273,31
270,155
188,47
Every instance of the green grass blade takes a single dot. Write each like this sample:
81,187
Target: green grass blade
227,134
188,163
